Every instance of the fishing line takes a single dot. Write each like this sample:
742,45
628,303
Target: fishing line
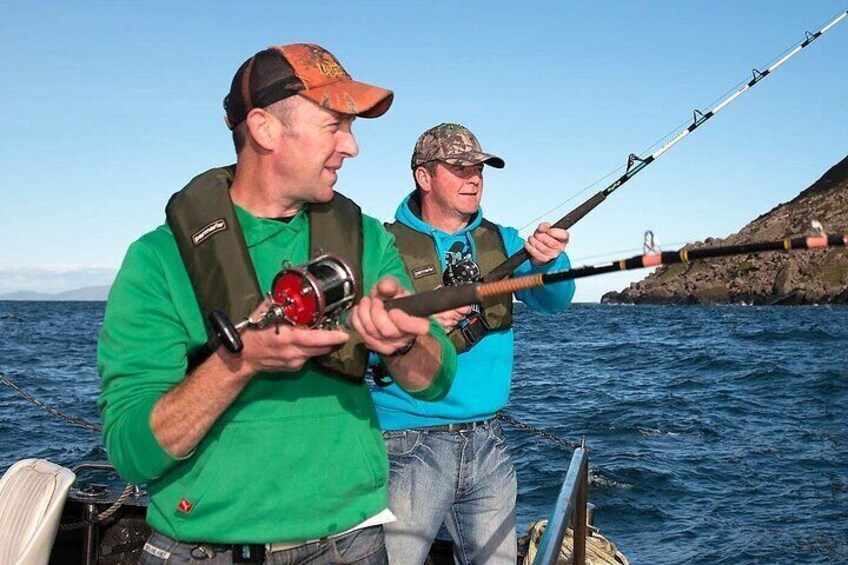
623,251
447,298
635,163
570,198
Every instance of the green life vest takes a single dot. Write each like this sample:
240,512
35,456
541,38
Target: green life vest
425,270
212,245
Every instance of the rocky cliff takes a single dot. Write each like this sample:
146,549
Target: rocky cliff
809,277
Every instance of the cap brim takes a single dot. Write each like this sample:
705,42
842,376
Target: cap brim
475,158
351,97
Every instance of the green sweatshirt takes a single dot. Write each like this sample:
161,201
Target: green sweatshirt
297,456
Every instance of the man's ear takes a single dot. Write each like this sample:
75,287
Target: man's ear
263,128
423,178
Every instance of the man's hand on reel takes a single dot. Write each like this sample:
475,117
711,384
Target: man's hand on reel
281,347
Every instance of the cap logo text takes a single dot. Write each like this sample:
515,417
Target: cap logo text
209,230
331,70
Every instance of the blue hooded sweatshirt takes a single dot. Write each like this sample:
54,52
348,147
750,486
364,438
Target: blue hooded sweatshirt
484,373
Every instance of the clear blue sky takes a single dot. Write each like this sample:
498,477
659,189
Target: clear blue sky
109,107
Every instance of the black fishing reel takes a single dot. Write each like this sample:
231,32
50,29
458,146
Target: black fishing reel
313,295
466,271
456,273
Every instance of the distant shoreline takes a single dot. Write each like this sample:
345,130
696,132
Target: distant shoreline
84,294
2,299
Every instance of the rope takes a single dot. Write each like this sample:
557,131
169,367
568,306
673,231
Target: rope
106,514
128,490
49,409
103,516
539,432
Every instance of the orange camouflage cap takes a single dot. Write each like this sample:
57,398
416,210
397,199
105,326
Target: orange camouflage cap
304,69
452,144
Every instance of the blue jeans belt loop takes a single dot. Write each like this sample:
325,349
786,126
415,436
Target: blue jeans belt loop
285,546
458,427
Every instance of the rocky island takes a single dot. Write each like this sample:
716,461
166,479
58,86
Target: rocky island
811,277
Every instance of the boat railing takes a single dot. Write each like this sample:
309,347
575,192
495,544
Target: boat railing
88,496
570,509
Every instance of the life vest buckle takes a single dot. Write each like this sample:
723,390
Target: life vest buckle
475,329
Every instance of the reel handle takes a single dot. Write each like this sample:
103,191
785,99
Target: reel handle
226,332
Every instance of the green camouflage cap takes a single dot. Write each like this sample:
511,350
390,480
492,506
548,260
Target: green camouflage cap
452,144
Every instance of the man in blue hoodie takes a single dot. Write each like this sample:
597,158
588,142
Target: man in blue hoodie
449,461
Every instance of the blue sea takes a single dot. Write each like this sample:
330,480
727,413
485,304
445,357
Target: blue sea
716,434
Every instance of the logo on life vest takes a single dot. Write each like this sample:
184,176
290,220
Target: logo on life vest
420,272
185,506
204,233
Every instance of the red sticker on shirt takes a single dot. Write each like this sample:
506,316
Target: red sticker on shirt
185,506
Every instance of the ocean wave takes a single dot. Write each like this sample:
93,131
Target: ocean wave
795,335
716,435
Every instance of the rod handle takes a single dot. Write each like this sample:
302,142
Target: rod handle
507,267
434,301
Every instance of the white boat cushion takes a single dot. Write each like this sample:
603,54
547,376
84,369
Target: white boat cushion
32,495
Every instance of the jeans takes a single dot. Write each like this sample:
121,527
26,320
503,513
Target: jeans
362,547
463,479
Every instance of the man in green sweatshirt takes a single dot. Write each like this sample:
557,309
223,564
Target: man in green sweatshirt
273,454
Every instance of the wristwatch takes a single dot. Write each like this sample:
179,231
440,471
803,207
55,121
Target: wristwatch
403,350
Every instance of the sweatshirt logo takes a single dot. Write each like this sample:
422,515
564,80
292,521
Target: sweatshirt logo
185,506
204,233
424,271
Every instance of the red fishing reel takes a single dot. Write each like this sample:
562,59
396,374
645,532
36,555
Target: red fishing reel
313,295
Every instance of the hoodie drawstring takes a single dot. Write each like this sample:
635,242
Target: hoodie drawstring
440,252
471,245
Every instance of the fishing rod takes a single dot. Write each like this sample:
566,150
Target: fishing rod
319,293
448,298
636,164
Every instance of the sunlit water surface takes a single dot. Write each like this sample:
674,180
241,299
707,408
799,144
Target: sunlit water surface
717,434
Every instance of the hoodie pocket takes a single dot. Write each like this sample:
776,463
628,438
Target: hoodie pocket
289,478
204,474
